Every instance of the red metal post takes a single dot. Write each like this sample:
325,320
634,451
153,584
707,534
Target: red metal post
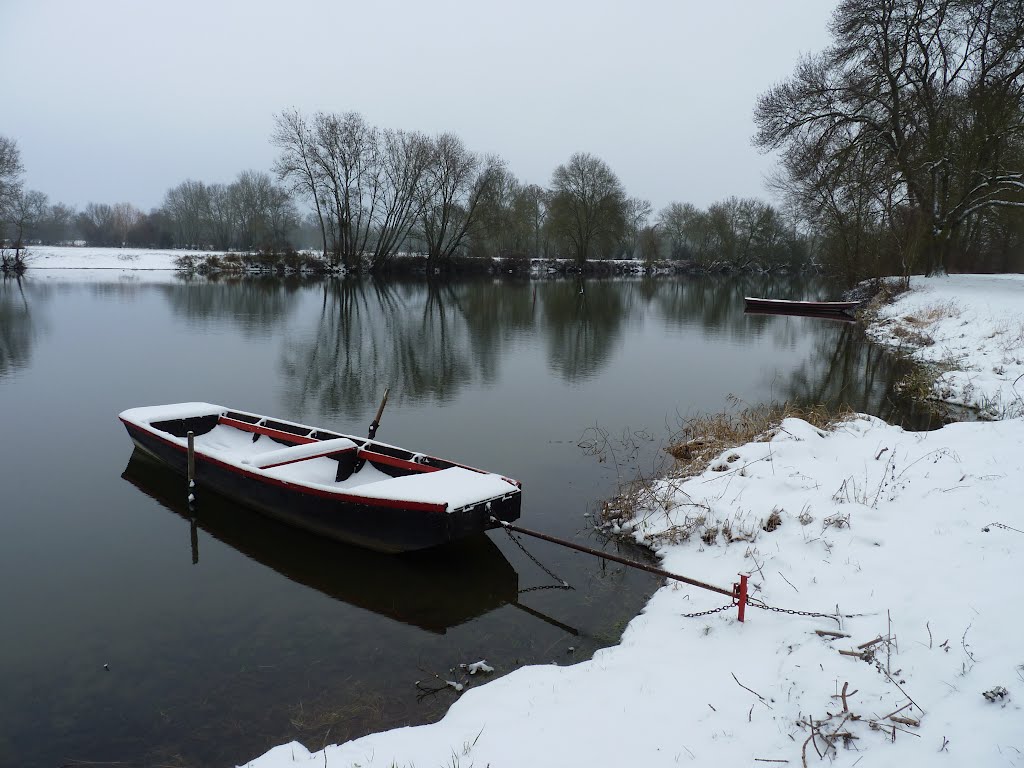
741,596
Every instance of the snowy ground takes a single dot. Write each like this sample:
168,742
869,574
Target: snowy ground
58,257
912,540
970,328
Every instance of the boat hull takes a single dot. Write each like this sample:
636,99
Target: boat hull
811,308
382,525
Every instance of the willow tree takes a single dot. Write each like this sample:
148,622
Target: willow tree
916,113
587,206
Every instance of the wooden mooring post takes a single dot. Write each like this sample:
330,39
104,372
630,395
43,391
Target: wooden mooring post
738,592
191,460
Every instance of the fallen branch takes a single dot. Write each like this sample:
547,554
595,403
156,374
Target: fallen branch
829,633
843,696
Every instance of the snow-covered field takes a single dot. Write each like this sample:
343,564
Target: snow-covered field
59,257
911,541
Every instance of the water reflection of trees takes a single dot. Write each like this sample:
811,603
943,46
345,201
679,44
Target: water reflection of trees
846,369
583,322
17,327
715,303
431,339
255,305
373,334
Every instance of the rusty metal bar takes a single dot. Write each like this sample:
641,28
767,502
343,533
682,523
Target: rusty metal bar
616,559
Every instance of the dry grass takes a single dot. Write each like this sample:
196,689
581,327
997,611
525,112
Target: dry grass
703,438
912,336
932,313
1011,336
699,442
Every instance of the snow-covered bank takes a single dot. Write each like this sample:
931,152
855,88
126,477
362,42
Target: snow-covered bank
970,330
913,538
60,257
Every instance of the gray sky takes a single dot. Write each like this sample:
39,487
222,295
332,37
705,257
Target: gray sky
118,101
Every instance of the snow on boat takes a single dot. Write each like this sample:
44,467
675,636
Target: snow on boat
787,307
349,488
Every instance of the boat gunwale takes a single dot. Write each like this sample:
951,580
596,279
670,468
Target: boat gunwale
344,496
821,306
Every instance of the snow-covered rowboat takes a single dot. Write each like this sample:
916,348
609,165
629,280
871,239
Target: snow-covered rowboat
787,307
348,488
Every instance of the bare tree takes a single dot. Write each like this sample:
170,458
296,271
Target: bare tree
405,157
96,223
188,206
126,218
347,160
10,178
27,209
921,99
587,205
297,166
223,219
456,182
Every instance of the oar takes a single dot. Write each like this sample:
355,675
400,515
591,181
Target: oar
348,466
376,419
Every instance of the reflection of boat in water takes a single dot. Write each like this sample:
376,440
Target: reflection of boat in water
826,310
434,590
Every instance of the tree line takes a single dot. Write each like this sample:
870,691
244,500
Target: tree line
901,150
371,194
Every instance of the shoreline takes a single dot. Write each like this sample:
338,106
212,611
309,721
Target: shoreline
877,526
220,263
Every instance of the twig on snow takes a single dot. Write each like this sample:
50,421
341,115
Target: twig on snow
741,685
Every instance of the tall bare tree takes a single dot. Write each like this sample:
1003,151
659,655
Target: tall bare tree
188,206
297,166
10,178
587,205
27,210
920,102
405,157
456,182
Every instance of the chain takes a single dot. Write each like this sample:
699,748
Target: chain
562,583
706,613
1003,526
753,602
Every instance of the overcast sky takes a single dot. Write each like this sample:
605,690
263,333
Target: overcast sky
119,101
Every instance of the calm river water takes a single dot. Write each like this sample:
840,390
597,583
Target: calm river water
132,635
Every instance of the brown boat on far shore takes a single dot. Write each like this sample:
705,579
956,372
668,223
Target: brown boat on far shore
830,310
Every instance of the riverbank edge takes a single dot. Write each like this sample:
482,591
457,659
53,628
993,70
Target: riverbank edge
313,264
418,744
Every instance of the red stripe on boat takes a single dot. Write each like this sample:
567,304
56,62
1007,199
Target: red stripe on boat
383,458
417,506
277,434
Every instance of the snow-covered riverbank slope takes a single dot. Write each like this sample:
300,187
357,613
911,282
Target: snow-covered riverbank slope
912,541
970,330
